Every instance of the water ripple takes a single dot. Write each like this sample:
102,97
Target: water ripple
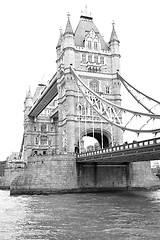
111,216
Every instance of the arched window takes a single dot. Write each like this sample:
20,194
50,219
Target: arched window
89,45
83,58
43,128
90,58
108,90
95,45
94,85
43,140
96,58
83,111
102,60
79,109
37,141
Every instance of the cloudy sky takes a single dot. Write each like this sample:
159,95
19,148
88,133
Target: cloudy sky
29,31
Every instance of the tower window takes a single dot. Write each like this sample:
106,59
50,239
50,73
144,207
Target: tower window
83,58
37,141
108,90
94,85
90,58
43,128
89,45
95,45
102,60
43,140
96,58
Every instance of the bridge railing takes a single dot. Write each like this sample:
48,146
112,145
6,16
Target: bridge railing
125,146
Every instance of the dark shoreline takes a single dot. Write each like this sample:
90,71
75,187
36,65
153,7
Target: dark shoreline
74,191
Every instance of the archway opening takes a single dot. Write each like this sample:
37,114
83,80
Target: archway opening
90,143
97,142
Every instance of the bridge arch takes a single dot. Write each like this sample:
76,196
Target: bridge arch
102,136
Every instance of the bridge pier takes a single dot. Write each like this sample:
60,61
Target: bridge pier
141,176
100,176
114,176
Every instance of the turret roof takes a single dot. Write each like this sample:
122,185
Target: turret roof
68,26
28,94
85,25
113,34
60,38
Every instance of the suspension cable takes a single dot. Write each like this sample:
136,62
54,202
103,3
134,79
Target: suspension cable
79,122
101,133
108,110
111,135
92,112
85,117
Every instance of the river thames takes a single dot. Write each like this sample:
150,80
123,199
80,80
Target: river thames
119,216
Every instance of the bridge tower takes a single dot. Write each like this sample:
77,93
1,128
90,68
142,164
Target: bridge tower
97,63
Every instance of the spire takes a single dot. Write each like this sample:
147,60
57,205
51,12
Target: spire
86,14
60,38
28,99
28,94
68,26
113,34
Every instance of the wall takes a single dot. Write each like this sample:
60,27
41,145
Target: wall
47,175
9,175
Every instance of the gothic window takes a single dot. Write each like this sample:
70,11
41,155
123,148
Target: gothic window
94,85
108,90
96,58
43,140
89,44
37,140
83,110
79,109
90,58
102,60
43,128
95,45
50,142
83,58
91,111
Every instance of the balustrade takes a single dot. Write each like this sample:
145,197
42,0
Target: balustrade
123,147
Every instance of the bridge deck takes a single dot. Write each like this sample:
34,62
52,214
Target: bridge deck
47,96
133,152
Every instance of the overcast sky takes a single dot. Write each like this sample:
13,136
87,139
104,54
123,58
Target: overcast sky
29,32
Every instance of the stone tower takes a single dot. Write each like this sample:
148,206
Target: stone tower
96,62
61,126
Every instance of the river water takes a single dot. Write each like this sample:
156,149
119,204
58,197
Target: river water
121,216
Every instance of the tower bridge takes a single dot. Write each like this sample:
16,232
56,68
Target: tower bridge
84,99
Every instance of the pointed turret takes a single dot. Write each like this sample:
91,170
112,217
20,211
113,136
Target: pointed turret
28,99
69,28
28,102
68,44
59,44
60,39
114,48
113,34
